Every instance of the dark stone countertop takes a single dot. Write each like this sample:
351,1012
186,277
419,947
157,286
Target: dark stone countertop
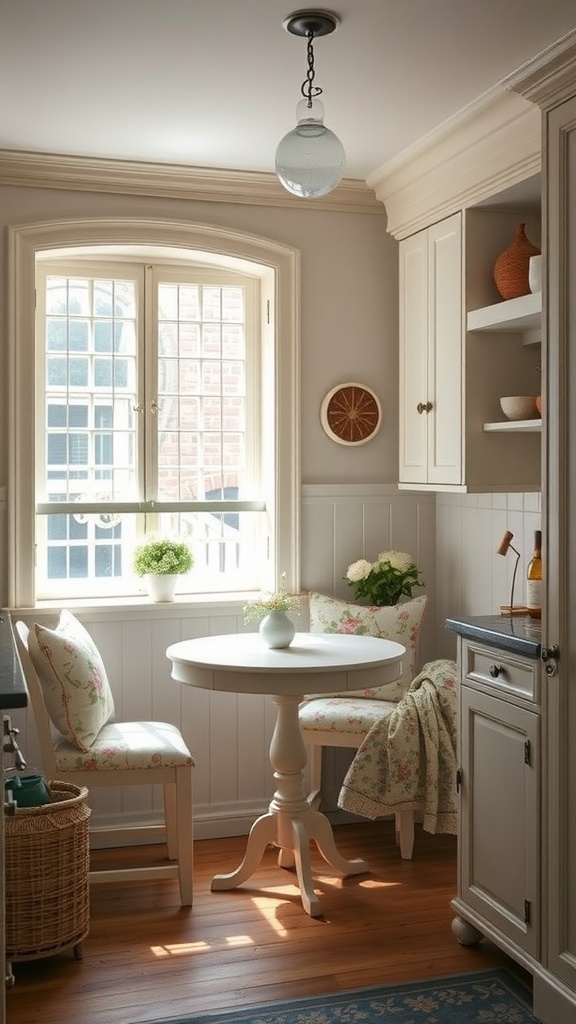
13,692
518,634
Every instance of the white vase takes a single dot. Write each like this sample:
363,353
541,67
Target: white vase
535,274
277,630
161,586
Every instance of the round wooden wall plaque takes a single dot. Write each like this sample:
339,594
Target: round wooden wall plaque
351,413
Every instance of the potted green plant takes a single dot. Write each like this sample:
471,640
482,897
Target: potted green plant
386,581
160,560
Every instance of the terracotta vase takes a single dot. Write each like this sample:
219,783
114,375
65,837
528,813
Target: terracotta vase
512,267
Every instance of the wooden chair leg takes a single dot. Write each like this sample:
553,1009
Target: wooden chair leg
171,820
405,833
315,768
185,827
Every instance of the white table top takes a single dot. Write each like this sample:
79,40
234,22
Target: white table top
314,663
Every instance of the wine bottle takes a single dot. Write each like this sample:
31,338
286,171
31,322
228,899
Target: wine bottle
534,579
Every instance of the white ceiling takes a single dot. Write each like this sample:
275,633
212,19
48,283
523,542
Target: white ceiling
214,83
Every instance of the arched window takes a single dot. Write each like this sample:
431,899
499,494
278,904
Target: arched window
163,360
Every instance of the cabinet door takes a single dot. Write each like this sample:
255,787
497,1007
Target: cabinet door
445,352
560,561
413,355
499,821
431,355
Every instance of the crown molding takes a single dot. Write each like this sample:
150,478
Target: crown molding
174,181
550,77
487,147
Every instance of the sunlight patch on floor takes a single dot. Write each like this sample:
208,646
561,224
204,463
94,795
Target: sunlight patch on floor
185,948
374,883
180,949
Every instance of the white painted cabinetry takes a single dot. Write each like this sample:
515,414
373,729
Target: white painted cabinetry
461,349
499,792
430,355
555,989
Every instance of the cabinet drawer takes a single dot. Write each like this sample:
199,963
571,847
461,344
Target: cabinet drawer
501,672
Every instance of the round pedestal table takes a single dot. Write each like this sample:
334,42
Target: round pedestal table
313,663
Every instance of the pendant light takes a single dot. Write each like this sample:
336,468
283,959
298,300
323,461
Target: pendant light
310,159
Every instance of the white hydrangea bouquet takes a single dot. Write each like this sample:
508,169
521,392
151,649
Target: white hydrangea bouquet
392,576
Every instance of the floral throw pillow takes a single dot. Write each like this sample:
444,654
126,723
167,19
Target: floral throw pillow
76,690
399,622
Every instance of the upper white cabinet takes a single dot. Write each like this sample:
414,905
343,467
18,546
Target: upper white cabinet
461,349
430,346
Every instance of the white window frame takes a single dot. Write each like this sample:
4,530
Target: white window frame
278,268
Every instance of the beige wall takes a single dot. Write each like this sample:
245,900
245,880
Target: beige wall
348,311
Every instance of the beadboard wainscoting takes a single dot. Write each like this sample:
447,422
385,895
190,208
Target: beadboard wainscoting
471,578
453,538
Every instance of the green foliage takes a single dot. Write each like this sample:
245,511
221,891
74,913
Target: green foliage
162,557
392,576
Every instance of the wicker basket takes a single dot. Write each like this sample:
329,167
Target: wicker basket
47,862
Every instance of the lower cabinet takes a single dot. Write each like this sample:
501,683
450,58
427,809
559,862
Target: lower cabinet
499,791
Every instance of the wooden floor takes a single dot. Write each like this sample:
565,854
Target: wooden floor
147,959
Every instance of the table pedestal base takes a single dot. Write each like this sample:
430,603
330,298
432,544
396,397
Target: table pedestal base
291,824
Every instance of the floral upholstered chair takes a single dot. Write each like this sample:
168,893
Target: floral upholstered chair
81,743
345,719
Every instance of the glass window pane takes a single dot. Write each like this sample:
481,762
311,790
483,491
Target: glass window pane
78,415
233,304
103,298
77,530
56,372
57,563
168,302
56,527
125,299
78,449
211,303
56,335
56,295
78,335
102,373
103,336
57,449
79,297
78,373
125,337
78,562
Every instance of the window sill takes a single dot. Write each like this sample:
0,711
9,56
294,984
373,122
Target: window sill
195,604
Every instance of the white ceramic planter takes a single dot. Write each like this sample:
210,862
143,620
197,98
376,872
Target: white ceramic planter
161,587
277,630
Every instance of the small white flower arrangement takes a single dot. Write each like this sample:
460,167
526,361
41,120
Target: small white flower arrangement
279,601
392,576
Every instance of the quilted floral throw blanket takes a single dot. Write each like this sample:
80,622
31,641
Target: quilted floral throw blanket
408,760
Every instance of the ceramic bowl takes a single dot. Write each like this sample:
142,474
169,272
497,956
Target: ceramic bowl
519,407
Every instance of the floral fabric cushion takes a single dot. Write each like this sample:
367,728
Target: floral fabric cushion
347,714
76,690
127,745
399,622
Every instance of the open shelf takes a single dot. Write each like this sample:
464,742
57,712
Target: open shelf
516,426
513,315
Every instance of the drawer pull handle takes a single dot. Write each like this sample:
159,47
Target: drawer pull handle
495,670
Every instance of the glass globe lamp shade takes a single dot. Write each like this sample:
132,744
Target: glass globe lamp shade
310,160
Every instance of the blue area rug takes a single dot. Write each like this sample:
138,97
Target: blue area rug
488,997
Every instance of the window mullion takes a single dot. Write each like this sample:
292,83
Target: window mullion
148,346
